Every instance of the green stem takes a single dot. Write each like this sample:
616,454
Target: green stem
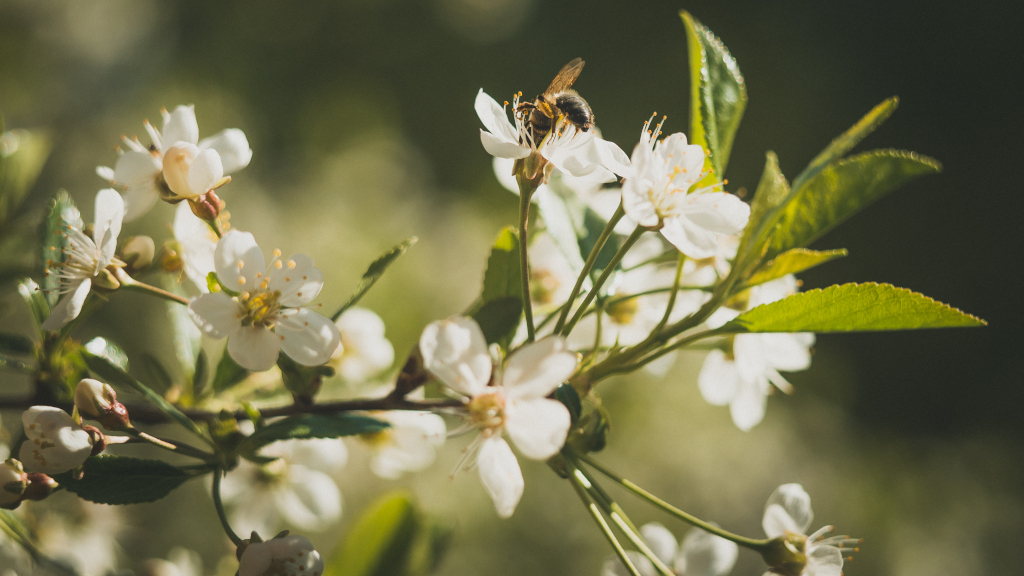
219,505
756,545
170,445
603,525
589,265
526,189
605,274
130,283
672,295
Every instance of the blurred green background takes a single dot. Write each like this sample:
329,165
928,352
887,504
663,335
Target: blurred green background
360,117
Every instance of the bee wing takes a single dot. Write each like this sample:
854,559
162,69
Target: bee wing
566,76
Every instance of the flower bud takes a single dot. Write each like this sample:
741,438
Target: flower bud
189,171
170,257
98,401
786,554
39,487
207,207
138,251
283,556
13,482
55,442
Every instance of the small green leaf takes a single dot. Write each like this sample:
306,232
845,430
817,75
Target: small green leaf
841,190
847,140
12,343
109,351
117,377
502,277
380,542
718,93
311,426
185,336
771,191
123,480
374,272
157,372
499,318
200,375
63,213
35,300
228,373
852,308
791,262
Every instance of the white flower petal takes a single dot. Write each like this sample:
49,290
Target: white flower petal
307,337
500,474
239,261
718,379
254,348
178,161
313,501
216,314
69,306
787,351
538,426
495,119
140,199
136,168
612,157
613,566
180,126
787,509
206,170
107,224
503,172
704,554
637,203
718,212
198,244
824,561
689,238
536,369
298,281
721,317
455,351
497,147
660,541
748,405
232,146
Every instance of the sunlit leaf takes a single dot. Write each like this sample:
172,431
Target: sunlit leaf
792,262
311,426
123,480
374,272
109,351
228,373
22,155
771,191
496,308
852,308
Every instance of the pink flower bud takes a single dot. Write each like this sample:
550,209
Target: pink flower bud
98,401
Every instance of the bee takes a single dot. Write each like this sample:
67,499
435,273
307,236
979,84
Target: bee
559,100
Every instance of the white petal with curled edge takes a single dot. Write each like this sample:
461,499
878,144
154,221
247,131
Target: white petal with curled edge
254,348
721,317
824,561
134,168
232,146
637,203
788,508
206,170
786,352
216,314
298,280
180,126
612,157
69,306
718,379
307,337
690,239
312,501
536,369
109,214
455,351
704,554
750,402
494,118
613,566
538,427
178,161
239,261
660,541
497,147
140,199
718,212
198,244
500,474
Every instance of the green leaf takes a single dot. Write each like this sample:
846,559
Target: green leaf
200,374
718,93
123,480
847,140
35,300
567,395
12,343
841,190
381,541
502,277
374,272
228,373
119,378
593,226
791,262
109,351
22,155
157,372
499,318
852,308
185,336
63,213
771,191
311,426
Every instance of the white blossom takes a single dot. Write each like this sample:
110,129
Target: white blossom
292,555
699,554
296,489
85,258
743,378
515,402
180,562
581,154
658,195
176,160
269,314
198,243
55,442
364,352
409,445
788,514
83,535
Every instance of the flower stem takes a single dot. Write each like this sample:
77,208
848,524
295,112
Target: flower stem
526,190
605,274
589,265
602,524
672,295
756,545
176,447
219,505
132,284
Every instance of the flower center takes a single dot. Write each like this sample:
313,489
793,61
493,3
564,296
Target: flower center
487,410
623,311
261,307
543,285
377,439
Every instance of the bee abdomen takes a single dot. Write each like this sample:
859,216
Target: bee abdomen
576,109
